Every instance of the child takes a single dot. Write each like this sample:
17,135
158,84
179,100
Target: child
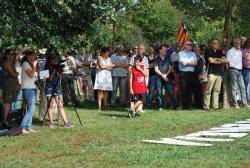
138,88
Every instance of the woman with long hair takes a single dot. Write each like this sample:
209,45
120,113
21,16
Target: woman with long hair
29,74
10,83
53,89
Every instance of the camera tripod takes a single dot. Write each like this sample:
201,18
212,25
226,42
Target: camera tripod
55,97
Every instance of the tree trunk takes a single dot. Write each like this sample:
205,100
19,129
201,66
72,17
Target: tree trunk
113,35
227,23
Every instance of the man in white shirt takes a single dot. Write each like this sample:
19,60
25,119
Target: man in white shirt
68,83
234,57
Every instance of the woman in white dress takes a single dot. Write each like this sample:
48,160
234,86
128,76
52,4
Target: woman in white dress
103,79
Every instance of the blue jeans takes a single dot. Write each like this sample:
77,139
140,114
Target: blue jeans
237,82
16,103
246,76
160,83
152,88
29,96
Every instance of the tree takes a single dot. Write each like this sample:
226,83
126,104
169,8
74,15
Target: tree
43,19
214,10
158,20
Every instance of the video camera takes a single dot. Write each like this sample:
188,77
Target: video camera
60,66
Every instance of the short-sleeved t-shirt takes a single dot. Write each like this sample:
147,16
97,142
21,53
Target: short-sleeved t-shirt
26,81
53,87
83,58
215,69
186,56
119,59
144,61
162,64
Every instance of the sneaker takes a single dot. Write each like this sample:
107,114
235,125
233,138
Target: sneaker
205,108
141,111
32,131
246,106
237,106
51,125
68,124
160,109
131,114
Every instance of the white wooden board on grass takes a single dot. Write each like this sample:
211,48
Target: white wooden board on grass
216,134
235,125
171,141
233,130
243,122
203,139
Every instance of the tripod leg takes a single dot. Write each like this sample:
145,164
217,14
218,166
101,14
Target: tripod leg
48,105
74,106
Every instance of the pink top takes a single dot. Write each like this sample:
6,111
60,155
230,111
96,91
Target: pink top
246,58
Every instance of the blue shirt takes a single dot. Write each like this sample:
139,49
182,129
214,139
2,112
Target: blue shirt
186,57
169,53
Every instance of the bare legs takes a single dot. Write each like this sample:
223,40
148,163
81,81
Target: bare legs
7,107
60,108
136,105
104,94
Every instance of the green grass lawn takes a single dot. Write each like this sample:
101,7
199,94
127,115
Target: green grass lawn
107,141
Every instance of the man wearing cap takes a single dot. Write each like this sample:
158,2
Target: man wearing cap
119,75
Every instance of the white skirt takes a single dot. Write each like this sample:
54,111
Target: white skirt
103,80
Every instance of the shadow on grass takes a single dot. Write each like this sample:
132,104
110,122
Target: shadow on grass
114,115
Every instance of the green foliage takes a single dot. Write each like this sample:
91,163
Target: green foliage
95,23
202,31
207,17
157,19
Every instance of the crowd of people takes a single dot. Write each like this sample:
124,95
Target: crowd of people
183,76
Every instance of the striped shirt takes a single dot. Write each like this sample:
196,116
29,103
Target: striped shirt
144,61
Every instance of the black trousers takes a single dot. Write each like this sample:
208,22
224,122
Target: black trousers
187,89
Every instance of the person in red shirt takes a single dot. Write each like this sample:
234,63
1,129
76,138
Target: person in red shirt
138,88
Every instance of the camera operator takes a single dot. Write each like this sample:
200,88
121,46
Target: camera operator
53,88
68,78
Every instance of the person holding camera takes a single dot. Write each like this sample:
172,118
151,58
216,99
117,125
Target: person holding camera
28,78
53,89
